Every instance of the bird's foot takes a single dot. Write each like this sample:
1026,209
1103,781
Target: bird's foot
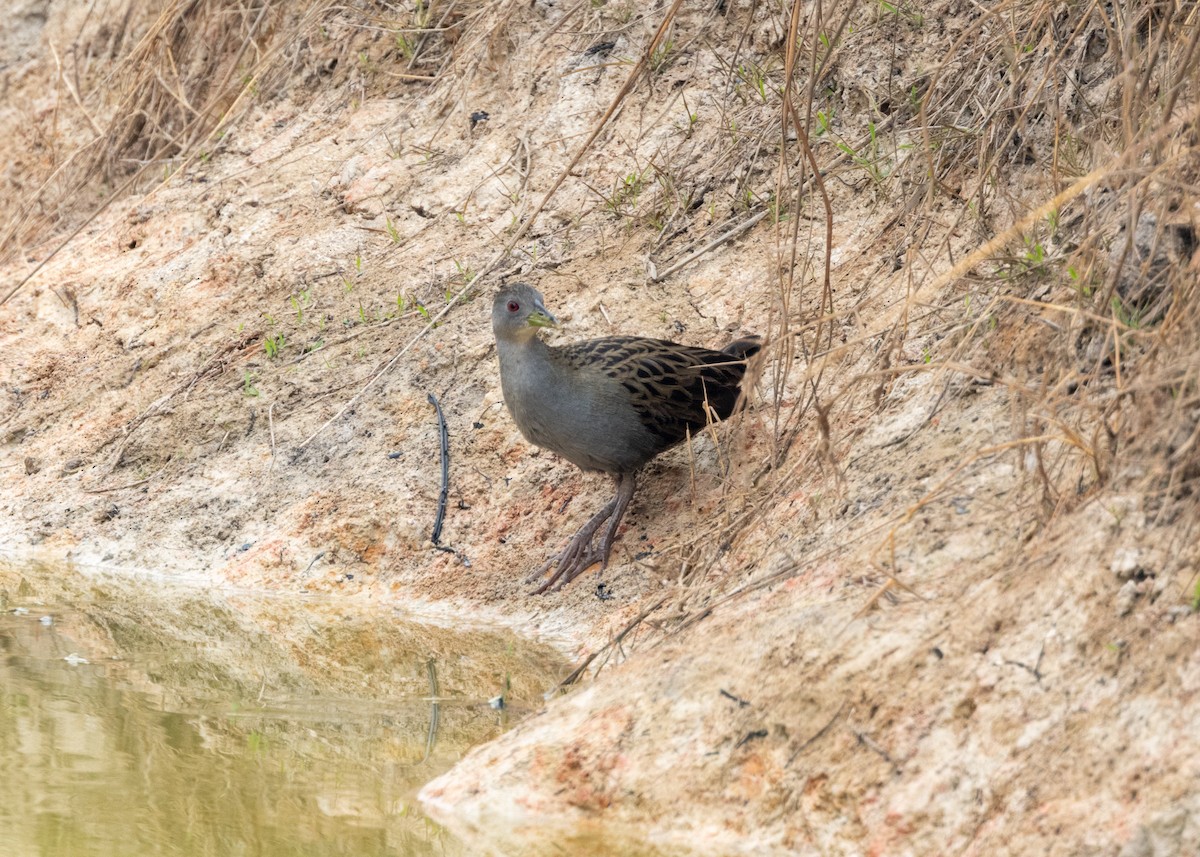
578,556
572,562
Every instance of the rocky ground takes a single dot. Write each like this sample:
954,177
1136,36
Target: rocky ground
934,592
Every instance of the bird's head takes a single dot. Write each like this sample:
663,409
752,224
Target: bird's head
518,312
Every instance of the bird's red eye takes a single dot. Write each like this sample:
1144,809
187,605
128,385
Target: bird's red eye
513,306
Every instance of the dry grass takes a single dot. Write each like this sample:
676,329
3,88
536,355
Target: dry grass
158,89
1040,186
1063,141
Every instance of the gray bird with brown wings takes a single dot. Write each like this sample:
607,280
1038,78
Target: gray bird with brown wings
607,405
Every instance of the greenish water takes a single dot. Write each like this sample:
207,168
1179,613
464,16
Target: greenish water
137,720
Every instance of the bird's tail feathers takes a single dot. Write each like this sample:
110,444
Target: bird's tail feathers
743,348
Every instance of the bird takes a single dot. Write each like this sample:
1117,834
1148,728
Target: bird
608,405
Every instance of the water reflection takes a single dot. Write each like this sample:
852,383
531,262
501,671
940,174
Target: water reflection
137,722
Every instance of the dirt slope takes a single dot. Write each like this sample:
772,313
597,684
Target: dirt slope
932,593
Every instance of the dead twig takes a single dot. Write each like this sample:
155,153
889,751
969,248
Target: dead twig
137,484
444,436
579,670
728,235
818,734
271,425
214,364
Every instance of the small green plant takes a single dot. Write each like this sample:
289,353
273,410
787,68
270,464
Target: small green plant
425,313
1034,261
914,98
299,302
755,78
1130,317
662,56
1081,288
624,197
1035,255
631,187
779,211
392,232
406,47
400,304
1196,597
273,345
869,158
914,18
465,271
248,388
824,122
692,117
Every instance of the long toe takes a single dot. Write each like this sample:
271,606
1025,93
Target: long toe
540,572
593,557
564,558
579,554
566,561
569,571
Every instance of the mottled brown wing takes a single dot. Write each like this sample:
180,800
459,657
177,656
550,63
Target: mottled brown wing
669,384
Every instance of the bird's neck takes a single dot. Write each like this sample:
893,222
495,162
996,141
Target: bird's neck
529,352
527,369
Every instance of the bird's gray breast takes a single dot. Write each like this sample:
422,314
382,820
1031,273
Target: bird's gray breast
586,418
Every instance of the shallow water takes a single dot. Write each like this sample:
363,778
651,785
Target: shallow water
138,719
